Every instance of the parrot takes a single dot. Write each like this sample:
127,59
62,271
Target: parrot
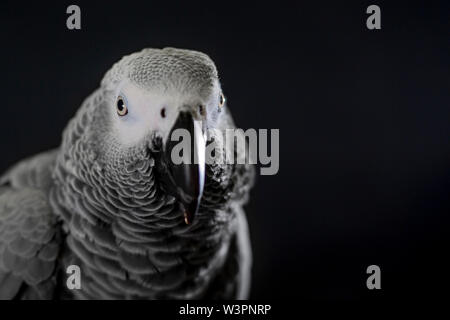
111,202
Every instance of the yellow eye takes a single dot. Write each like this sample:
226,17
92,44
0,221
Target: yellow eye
221,100
121,106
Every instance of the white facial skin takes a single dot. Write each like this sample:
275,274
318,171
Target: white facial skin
145,115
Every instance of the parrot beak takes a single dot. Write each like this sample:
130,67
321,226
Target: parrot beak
187,179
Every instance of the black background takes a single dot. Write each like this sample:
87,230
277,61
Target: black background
363,116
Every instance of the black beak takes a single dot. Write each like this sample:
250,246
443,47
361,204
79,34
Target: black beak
187,178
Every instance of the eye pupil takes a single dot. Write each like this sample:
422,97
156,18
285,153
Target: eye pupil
163,112
120,104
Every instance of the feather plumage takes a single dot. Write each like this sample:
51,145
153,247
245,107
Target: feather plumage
100,203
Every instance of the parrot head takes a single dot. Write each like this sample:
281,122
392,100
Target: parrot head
149,95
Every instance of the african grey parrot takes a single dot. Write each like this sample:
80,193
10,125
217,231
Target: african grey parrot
111,201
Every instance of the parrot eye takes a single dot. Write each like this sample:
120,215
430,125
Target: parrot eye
221,100
121,106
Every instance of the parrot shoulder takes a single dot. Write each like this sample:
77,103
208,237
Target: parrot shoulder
34,172
29,232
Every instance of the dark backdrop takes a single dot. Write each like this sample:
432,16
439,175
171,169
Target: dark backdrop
363,116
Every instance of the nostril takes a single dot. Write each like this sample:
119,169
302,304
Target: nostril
201,110
163,112
155,144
